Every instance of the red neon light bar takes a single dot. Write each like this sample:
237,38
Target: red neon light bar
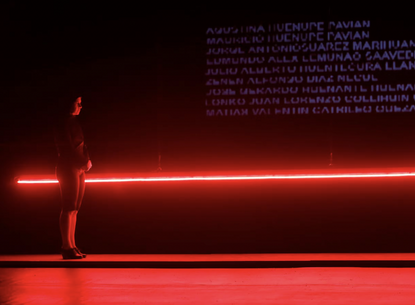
362,173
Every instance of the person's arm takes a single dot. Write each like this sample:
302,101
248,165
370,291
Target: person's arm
67,148
88,166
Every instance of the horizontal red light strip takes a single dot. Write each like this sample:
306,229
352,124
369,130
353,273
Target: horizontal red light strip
235,177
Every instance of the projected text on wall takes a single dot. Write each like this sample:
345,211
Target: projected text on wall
306,68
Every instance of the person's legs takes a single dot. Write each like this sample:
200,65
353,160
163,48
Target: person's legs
81,191
72,227
65,225
69,187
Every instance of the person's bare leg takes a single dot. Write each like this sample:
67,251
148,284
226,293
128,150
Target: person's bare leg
65,227
81,191
72,227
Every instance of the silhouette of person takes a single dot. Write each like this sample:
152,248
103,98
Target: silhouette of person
73,162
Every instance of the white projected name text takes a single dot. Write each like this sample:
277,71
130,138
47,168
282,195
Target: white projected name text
286,68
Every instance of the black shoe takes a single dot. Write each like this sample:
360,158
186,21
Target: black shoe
79,252
70,254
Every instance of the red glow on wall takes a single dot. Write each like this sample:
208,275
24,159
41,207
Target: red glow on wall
224,177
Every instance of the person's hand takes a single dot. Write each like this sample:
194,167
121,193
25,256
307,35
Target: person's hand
88,166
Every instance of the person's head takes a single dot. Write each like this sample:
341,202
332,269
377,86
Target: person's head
76,106
65,105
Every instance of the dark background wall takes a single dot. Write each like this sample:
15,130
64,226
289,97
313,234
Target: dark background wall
325,215
141,75
142,78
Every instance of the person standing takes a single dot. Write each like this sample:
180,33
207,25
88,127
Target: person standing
73,162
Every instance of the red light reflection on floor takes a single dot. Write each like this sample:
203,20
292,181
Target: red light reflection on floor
305,286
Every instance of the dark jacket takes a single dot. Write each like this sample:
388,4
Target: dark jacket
69,141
